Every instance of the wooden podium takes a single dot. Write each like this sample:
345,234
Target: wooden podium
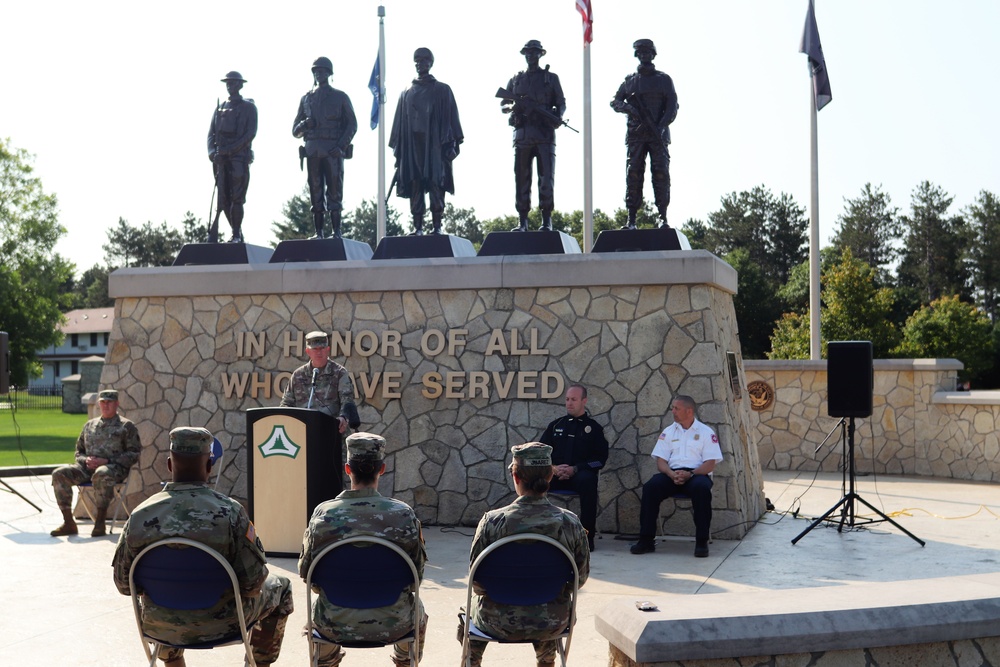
294,463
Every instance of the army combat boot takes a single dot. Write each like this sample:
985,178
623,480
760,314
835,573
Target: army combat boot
631,219
522,224
318,224
546,222
436,219
99,519
335,221
69,525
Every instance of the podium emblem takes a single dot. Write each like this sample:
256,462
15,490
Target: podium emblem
279,444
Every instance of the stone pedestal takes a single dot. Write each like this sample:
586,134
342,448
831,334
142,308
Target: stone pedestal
320,250
204,254
419,247
498,244
454,360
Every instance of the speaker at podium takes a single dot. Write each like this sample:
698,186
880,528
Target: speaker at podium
294,463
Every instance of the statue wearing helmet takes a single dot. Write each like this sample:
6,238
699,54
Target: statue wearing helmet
327,123
649,99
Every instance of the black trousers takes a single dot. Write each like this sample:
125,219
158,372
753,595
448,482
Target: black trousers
660,487
326,183
524,156
635,171
584,482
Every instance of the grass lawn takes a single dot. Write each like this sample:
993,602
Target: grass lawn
46,436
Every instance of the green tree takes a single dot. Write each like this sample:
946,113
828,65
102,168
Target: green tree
870,226
193,230
950,328
853,308
362,223
771,229
755,305
696,232
932,263
31,273
984,253
141,246
298,219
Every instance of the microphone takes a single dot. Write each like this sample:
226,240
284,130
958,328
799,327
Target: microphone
315,371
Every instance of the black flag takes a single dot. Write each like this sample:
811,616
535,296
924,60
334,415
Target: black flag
817,63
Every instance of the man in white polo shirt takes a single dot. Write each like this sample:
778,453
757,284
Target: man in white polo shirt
685,454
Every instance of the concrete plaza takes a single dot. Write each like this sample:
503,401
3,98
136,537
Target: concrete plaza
61,608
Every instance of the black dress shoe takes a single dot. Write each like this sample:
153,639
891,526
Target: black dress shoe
701,550
642,548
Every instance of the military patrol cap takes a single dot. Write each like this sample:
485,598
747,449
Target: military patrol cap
108,395
533,45
644,43
532,454
317,339
423,52
365,447
191,440
233,76
324,62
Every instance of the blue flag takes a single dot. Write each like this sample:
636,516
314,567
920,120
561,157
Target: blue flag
817,63
374,84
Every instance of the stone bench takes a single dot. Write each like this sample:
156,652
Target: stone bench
946,618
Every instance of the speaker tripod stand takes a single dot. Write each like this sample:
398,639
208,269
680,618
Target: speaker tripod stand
847,503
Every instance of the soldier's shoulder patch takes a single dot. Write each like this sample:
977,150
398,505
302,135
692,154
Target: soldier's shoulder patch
251,533
715,438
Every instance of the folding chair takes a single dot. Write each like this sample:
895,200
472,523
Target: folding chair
522,569
121,492
178,573
379,572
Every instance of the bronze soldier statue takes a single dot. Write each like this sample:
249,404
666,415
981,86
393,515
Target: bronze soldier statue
234,125
327,122
649,99
425,139
536,106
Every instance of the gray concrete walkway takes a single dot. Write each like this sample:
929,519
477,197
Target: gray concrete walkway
60,607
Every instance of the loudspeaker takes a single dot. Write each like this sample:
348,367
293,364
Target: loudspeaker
849,378
4,364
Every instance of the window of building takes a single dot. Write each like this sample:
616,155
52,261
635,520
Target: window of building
76,368
74,340
106,335
93,340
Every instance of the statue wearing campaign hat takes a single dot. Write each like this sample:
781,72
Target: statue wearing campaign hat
233,128
536,105
650,101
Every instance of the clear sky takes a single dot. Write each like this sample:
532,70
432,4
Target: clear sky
115,98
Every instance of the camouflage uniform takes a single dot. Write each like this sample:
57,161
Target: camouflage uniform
195,511
353,514
115,439
334,390
535,515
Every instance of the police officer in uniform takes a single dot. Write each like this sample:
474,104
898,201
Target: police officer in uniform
107,447
534,117
233,128
649,99
579,451
326,381
327,122
362,511
531,512
188,507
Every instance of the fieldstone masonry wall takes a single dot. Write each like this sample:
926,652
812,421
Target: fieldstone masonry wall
451,377
919,425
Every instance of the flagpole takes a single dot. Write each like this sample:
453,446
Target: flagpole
588,164
814,277
380,226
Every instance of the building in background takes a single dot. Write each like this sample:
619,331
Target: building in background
86,334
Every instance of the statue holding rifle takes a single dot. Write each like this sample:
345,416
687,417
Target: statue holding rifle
649,99
234,125
534,99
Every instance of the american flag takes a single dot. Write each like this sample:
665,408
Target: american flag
587,12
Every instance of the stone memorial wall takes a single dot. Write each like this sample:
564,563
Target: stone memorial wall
453,361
